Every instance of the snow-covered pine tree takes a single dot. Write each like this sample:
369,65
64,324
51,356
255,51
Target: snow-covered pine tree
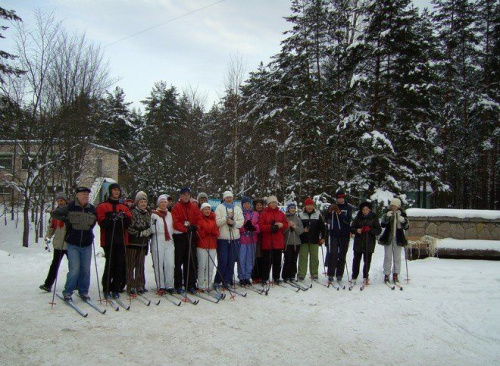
387,85
458,67
487,109
116,129
160,141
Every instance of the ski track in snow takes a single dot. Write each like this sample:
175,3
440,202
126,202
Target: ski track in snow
449,314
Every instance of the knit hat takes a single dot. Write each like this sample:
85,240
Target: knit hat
185,190
291,204
245,200
61,196
205,204
272,199
162,197
365,204
308,201
140,196
82,189
227,194
395,202
113,186
340,194
201,195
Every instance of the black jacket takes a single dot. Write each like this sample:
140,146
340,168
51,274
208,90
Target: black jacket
317,227
365,242
388,224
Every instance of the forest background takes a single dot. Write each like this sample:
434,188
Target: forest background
375,97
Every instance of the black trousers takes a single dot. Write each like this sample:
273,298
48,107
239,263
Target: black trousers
271,259
114,276
367,260
54,266
337,253
290,262
185,260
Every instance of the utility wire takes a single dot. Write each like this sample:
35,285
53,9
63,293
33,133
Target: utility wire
159,25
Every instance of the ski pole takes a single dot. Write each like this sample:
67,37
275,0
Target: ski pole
157,267
128,272
323,259
57,275
186,284
220,274
406,262
96,273
109,260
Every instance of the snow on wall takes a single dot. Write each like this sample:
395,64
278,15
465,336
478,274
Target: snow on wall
456,213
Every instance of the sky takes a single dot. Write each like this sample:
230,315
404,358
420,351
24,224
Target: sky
188,44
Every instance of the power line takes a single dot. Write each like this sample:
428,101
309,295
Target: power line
159,25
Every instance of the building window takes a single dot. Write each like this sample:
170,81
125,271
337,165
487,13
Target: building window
4,190
6,162
25,163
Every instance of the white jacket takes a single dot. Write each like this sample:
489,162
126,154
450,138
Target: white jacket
158,229
221,214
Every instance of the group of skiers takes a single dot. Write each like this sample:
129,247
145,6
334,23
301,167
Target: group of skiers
195,249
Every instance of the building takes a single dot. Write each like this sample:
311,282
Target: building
98,162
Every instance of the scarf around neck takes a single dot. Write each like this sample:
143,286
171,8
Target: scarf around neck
163,215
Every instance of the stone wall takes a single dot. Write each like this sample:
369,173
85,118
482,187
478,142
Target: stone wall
456,228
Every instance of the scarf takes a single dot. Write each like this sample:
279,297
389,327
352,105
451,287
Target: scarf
163,215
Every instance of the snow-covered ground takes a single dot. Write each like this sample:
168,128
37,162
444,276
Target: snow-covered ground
449,314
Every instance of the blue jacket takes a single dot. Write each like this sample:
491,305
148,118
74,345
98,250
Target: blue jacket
340,224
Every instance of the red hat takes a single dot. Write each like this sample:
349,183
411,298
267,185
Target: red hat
308,201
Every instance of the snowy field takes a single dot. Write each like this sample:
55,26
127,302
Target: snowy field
449,314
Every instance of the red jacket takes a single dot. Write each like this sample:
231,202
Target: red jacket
182,212
272,240
106,223
209,232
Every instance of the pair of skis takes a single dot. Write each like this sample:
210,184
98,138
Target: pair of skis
141,298
75,307
393,286
298,285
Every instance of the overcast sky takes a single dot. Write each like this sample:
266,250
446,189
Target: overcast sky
190,47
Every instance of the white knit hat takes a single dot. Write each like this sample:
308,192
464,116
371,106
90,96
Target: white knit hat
227,194
272,199
162,197
140,196
205,205
395,202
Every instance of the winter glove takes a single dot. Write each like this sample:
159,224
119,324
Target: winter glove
292,229
334,208
146,233
389,213
365,229
274,228
192,228
401,219
120,215
248,226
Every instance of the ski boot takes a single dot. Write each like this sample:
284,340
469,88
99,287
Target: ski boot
45,288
